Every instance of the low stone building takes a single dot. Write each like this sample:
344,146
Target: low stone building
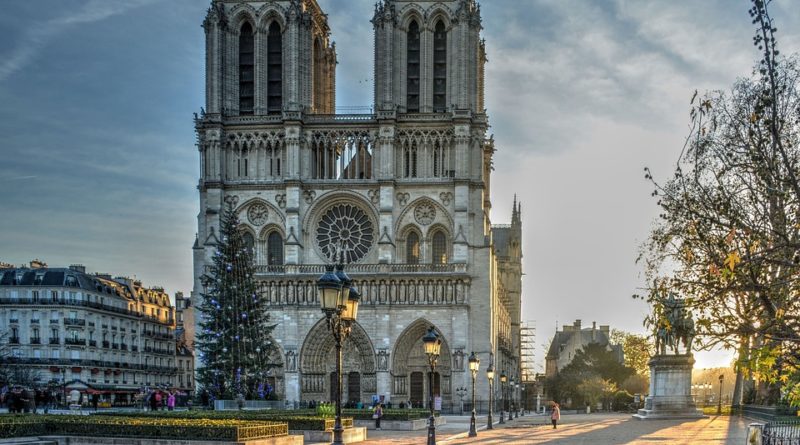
93,333
571,339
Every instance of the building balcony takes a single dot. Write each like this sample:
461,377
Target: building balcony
36,341
13,320
74,322
93,343
53,321
106,344
13,340
35,321
123,347
134,348
75,341
114,345
55,341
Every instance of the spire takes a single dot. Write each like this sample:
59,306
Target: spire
515,212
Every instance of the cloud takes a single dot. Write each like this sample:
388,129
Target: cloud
36,38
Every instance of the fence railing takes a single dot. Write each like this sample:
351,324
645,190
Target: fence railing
781,433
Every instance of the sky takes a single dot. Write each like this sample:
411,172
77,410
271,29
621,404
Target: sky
99,164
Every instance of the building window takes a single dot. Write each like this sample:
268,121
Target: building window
274,69
249,241
246,69
439,248
413,67
275,249
410,160
412,248
440,67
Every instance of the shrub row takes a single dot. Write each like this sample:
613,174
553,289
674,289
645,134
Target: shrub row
295,421
388,414
130,426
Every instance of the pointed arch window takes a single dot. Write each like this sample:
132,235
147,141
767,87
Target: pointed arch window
274,69
413,67
412,248
439,248
410,161
248,241
440,67
275,249
246,69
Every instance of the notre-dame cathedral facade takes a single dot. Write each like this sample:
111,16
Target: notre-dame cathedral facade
403,193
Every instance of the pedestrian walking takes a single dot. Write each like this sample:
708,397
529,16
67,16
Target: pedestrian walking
556,415
171,401
158,398
377,415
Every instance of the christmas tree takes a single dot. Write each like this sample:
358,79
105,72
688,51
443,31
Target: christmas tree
235,338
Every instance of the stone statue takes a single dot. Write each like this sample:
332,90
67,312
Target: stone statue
674,327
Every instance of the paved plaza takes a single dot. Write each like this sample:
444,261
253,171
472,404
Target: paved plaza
595,429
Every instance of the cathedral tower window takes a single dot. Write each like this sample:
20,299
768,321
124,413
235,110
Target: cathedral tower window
246,69
249,241
319,84
440,67
413,67
275,249
439,249
410,161
412,248
274,69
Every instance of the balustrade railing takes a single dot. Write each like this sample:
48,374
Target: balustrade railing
319,269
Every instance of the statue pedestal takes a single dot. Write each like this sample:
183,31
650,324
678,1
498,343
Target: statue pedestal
670,389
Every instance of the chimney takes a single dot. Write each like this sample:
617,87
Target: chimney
605,329
78,268
594,331
577,325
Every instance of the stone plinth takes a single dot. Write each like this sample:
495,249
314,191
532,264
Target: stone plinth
670,389
350,435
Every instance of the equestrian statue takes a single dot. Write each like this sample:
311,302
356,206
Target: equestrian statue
675,326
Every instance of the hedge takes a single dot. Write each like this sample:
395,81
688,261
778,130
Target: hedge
302,421
130,426
389,414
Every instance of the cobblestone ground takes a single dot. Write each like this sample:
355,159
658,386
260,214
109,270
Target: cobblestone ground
595,429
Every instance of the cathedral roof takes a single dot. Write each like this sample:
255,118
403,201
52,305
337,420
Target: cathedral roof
500,237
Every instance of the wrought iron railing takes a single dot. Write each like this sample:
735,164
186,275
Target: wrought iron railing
781,433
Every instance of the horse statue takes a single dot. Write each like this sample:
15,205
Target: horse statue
675,327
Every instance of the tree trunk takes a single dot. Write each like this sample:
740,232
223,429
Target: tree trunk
744,355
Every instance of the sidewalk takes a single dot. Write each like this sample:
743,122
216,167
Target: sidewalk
593,429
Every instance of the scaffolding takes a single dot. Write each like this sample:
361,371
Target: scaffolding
527,354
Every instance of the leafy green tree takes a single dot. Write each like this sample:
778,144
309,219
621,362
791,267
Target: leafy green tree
728,237
592,362
235,339
638,350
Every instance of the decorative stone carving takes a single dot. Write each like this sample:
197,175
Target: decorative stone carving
309,196
291,361
446,197
281,201
257,214
402,198
374,196
425,213
345,231
232,200
458,360
383,360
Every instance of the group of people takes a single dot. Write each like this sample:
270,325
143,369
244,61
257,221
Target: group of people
158,400
18,399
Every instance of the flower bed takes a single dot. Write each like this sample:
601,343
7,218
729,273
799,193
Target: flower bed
303,421
129,426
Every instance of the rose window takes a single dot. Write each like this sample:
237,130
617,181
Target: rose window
345,233
257,214
425,213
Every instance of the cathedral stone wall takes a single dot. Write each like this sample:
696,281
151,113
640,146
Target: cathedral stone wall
400,196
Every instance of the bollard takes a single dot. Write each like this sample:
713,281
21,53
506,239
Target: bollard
754,433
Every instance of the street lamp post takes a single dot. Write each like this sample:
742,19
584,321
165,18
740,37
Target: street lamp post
503,379
510,389
490,377
719,401
474,365
432,344
339,302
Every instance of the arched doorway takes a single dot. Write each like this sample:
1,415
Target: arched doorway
318,366
411,372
